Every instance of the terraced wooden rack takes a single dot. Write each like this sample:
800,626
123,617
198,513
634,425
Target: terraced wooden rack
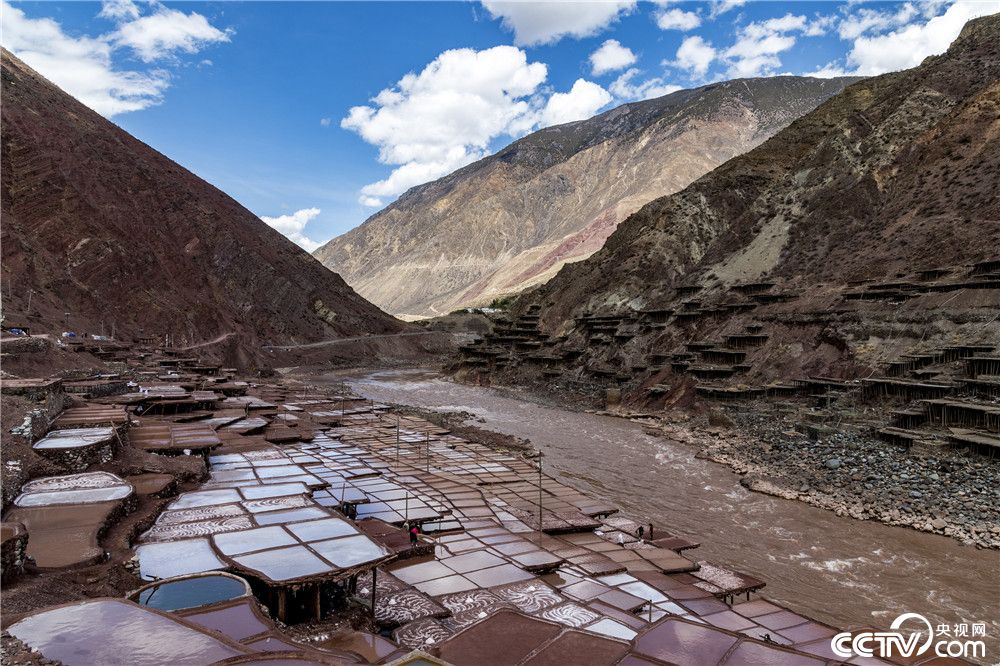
900,436
876,388
977,441
983,365
746,340
731,392
965,414
749,288
983,387
711,371
723,356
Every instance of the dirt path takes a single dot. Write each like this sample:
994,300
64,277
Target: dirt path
324,343
224,336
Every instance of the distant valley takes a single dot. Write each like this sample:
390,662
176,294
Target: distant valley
514,219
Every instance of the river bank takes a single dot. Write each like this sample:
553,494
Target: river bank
846,471
855,475
836,568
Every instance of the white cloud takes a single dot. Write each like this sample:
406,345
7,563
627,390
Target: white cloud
931,8
434,122
819,26
784,23
292,227
677,19
610,56
583,100
462,98
754,66
874,20
83,66
370,202
624,89
828,71
909,45
694,55
160,34
875,50
549,21
325,122
119,9
416,173
80,65
758,44
720,7
446,116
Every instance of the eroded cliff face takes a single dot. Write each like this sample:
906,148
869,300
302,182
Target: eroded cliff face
898,173
865,233
827,302
101,232
514,219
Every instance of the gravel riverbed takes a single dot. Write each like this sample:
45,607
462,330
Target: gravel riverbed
854,474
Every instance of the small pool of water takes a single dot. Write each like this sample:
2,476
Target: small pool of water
191,592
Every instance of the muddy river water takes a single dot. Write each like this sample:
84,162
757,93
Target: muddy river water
839,570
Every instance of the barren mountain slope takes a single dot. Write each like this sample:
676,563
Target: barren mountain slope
859,242
513,219
898,173
101,231
824,306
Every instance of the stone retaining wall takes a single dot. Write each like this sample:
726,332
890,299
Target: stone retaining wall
12,550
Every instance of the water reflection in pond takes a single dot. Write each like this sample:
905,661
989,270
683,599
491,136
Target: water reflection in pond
191,592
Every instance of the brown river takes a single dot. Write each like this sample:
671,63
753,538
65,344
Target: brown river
839,570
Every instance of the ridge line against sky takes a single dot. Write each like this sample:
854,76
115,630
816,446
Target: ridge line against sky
313,115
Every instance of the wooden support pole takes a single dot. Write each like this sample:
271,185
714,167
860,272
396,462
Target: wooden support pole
282,605
539,490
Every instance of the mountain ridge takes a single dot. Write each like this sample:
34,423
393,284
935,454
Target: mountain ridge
513,219
701,233
101,232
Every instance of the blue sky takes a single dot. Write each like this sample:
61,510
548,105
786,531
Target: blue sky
316,114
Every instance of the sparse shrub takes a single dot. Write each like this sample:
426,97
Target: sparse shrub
501,302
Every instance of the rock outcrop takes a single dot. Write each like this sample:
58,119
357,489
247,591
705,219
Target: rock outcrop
102,233
859,240
514,219
897,174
